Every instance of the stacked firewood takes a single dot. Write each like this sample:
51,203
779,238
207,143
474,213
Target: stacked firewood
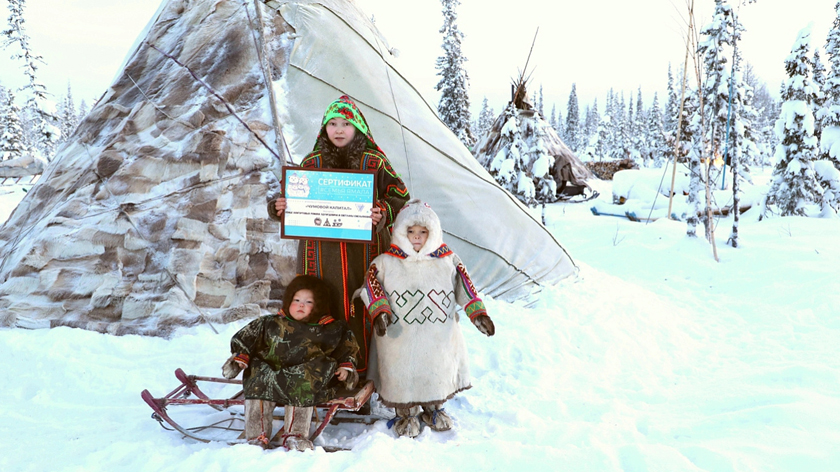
605,170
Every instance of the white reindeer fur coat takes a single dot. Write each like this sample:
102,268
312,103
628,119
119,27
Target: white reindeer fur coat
422,358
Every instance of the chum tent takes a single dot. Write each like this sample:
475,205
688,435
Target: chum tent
561,175
153,214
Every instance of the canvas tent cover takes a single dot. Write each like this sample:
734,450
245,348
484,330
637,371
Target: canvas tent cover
160,194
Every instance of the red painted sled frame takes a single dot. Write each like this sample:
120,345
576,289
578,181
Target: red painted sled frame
189,385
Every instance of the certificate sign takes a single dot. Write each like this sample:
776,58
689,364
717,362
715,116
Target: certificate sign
328,204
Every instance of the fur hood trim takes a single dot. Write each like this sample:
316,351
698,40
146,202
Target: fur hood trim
417,213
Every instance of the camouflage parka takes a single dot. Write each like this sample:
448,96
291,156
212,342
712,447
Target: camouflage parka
291,362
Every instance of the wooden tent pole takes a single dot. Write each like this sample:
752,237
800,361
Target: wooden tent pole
279,139
682,104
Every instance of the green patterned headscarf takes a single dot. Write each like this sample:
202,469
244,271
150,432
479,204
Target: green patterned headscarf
345,108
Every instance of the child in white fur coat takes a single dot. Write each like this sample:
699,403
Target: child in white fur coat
412,292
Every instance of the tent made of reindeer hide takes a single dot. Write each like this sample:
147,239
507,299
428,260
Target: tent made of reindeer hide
153,215
525,154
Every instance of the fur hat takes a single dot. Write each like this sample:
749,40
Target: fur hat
347,109
417,213
320,292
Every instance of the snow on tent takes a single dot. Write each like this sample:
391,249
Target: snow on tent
153,216
523,152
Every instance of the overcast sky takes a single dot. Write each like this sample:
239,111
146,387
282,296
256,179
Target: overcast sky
597,45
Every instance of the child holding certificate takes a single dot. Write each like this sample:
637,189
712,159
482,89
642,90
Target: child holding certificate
345,142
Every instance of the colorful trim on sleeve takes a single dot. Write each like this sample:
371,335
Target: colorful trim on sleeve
475,308
244,358
378,301
347,365
467,282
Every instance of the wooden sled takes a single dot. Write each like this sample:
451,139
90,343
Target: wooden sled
347,400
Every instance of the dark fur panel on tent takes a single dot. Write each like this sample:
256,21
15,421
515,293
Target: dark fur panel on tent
153,216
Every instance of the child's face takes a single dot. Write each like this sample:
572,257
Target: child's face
340,131
417,236
302,304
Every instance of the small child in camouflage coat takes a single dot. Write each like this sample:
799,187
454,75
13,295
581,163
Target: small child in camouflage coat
295,358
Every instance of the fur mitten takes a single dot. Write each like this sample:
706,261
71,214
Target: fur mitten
230,368
271,209
351,380
484,324
380,324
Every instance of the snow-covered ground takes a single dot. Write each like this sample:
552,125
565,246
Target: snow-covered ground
658,358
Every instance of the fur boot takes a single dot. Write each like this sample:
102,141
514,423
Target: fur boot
298,421
407,423
436,418
259,415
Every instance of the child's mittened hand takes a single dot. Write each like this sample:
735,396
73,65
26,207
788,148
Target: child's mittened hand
380,324
485,325
349,377
231,368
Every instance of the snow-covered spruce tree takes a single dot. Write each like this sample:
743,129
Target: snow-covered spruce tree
454,105
41,122
631,150
639,135
602,141
691,149
829,115
593,118
740,148
553,118
656,134
540,102
794,184
622,146
672,105
12,144
485,119
572,128
83,111
539,165
818,78
67,116
766,112
720,37
508,166
609,135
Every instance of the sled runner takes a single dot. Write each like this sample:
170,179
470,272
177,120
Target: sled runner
232,408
